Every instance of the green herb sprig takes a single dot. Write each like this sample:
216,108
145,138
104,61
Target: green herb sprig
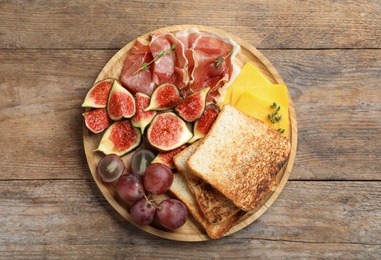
220,60
146,65
274,117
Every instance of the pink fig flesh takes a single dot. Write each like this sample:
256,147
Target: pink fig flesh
192,107
141,118
97,96
205,122
120,138
166,158
164,97
168,131
97,120
121,103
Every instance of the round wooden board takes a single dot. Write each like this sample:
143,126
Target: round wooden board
191,231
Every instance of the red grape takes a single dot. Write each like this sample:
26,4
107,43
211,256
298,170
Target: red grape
172,213
143,212
110,167
130,187
157,178
140,160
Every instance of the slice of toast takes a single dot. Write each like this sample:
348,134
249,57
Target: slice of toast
215,206
240,157
181,190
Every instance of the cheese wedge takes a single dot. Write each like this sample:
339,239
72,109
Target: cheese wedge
249,77
256,102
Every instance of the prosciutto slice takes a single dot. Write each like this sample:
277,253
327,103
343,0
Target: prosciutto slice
207,72
188,38
170,65
187,60
132,76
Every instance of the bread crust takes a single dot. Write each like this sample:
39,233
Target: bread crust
240,157
215,207
181,190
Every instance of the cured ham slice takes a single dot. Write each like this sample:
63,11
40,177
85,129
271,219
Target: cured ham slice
208,71
132,76
188,38
191,60
170,63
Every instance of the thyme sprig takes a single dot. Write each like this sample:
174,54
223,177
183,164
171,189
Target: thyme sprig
146,65
275,117
220,60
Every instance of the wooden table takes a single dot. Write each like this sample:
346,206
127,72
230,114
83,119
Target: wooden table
327,52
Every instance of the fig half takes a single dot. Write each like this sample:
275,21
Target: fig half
141,118
192,107
204,123
166,158
120,138
164,97
97,120
121,103
98,95
168,131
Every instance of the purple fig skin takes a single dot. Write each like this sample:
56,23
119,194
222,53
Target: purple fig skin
97,96
168,131
120,138
164,97
97,120
142,119
193,105
205,122
166,158
121,103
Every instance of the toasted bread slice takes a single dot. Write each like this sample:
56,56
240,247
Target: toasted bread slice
240,157
215,206
181,190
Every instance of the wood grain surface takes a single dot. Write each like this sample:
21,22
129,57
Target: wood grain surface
327,52
43,221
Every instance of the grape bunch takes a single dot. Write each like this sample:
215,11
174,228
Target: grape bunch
139,186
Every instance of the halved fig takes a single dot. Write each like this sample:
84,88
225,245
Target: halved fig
120,138
97,120
166,158
121,103
97,96
168,131
204,123
141,118
193,105
164,97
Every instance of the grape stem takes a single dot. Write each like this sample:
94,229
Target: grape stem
149,199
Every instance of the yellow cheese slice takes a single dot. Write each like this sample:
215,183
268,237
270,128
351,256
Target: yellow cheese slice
256,102
248,77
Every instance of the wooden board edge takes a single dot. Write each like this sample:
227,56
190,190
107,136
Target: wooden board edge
271,74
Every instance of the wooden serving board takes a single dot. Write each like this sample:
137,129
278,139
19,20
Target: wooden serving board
191,231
